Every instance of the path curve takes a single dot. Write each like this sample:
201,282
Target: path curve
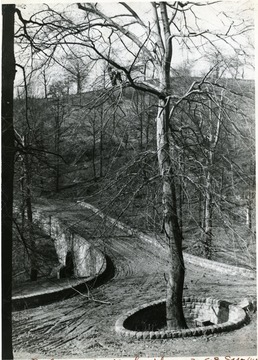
84,325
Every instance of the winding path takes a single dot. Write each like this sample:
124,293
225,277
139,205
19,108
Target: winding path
83,326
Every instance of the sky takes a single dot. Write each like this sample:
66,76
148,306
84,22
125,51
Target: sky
210,21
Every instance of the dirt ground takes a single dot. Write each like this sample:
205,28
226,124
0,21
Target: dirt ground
83,326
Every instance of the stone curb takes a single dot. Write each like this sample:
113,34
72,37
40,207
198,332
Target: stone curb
240,319
191,259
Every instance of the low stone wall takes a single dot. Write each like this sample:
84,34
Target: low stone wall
127,229
192,259
87,260
220,315
218,266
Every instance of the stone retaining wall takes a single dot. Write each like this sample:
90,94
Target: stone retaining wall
192,259
218,266
87,260
90,265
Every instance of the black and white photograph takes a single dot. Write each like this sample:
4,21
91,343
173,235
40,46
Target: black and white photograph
128,180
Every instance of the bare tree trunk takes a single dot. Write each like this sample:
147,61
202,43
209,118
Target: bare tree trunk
181,165
250,197
101,143
57,145
94,147
45,83
207,211
207,221
200,210
32,247
212,141
78,78
141,109
22,189
8,74
248,213
176,272
148,121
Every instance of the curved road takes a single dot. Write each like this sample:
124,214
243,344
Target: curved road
83,326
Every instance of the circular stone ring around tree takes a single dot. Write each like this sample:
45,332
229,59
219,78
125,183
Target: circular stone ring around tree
204,316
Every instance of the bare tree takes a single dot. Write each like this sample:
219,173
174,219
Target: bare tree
78,72
123,45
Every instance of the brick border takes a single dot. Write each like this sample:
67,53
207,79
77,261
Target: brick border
239,319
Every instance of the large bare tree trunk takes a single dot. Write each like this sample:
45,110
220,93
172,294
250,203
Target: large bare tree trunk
176,272
8,74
